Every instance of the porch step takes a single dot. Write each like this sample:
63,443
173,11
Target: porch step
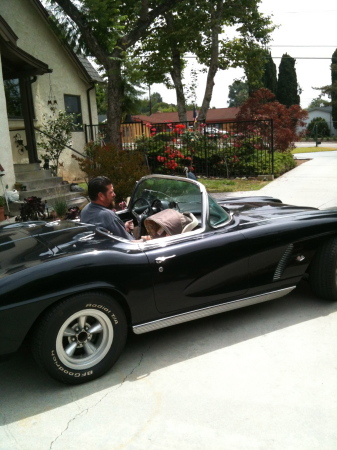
54,190
28,175
18,168
40,183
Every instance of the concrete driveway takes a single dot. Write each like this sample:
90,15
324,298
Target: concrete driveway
313,183
264,377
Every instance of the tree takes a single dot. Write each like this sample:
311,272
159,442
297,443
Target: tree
101,98
334,88
287,87
55,136
165,49
163,107
269,78
108,30
318,103
149,105
286,121
318,127
331,90
238,93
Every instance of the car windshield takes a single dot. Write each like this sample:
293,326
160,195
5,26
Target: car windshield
179,194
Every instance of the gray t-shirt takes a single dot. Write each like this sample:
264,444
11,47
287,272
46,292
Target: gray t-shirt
99,215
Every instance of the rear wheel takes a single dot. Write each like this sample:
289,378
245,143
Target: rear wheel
323,271
80,338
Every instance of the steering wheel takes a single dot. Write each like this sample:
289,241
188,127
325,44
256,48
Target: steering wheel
141,209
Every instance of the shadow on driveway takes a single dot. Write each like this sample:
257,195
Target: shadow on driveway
26,391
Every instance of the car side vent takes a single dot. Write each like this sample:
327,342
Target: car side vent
283,262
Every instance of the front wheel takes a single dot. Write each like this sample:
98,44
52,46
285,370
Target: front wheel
323,271
80,338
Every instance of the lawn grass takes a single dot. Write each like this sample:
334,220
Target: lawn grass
224,185
313,149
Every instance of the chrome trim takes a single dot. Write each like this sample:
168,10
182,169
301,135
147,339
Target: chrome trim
162,259
283,262
209,311
228,221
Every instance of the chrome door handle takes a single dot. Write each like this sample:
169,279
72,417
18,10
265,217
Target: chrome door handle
162,259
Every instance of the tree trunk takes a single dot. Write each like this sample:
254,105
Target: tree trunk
178,84
176,71
214,62
115,93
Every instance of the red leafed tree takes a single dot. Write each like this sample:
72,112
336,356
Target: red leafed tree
288,123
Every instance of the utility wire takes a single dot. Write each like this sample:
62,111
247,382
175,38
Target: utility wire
311,46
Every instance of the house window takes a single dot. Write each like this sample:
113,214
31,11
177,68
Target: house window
13,98
72,105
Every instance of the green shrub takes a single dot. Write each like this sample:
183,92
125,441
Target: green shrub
123,167
318,127
163,136
283,162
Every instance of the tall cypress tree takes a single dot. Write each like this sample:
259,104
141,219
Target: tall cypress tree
334,88
269,78
287,88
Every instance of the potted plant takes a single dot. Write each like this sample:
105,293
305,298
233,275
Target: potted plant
2,208
60,207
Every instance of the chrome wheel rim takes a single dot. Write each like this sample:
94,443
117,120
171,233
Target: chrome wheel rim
84,339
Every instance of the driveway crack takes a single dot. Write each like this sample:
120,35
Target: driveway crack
85,411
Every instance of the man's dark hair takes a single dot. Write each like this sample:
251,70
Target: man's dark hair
97,185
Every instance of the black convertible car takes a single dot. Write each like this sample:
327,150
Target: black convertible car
74,290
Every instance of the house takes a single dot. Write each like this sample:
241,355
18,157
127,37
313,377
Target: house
214,116
138,124
325,113
37,69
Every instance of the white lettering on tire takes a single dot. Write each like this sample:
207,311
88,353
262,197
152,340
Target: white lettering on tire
65,371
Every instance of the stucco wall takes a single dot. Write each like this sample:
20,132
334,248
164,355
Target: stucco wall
36,38
324,115
6,159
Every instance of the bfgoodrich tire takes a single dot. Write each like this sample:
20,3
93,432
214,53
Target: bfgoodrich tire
323,271
80,338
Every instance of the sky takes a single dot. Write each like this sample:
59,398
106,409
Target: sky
307,32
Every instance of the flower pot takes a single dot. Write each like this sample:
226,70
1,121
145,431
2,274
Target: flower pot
2,213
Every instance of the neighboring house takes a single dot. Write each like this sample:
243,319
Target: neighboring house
36,67
325,113
135,125
214,116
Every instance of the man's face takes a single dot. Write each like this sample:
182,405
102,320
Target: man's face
107,198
